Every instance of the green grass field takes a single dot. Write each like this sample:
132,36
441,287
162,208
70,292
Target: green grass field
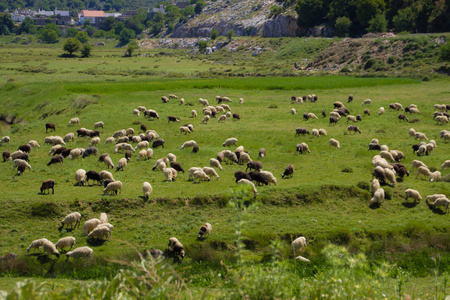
319,202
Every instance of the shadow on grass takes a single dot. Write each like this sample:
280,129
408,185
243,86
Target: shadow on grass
96,242
410,204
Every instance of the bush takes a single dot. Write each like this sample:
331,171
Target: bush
391,60
363,185
48,36
131,47
82,37
125,36
86,50
230,34
202,46
347,170
275,10
214,34
71,45
444,53
377,24
342,26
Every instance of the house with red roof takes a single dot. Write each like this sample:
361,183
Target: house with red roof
91,15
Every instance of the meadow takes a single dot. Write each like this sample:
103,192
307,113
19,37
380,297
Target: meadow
326,200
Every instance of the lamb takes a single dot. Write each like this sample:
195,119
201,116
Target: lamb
351,118
435,176
443,201
47,185
323,132
381,111
423,171
94,141
375,185
56,159
74,217
113,187
74,153
420,136
334,143
49,126
74,121
172,119
80,176
288,171
36,244
161,164
203,102
446,164
269,177
293,111
188,144
403,117
5,140
66,242
210,172
410,193
34,144
298,245
122,164
172,96
136,112
50,248
250,183
103,218
147,189
177,166
205,229
262,152
80,252
100,232
378,197
201,176
108,162
230,142
90,225
312,116
176,247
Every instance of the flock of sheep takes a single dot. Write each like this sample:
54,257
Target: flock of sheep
387,163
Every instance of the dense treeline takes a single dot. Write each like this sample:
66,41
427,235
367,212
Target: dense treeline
355,17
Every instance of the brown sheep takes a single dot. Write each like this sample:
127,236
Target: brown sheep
49,126
47,185
288,171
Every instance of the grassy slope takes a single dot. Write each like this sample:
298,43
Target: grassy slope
344,218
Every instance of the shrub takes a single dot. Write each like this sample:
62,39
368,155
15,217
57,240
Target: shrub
275,10
391,60
377,24
444,53
131,47
342,26
71,45
347,170
214,34
82,37
363,185
202,46
48,36
125,36
86,50
230,34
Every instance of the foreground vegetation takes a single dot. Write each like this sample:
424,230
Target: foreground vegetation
355,251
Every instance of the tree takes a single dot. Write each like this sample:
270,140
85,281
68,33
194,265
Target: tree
214,34
404,20
71,45
118,28
131,47
109,23
48,36
6,24
378,24
342,26
342,8
89,30
310,12
71,32
230,34
99,34
87,22
202,46
53,27
86,50
27,26
82,37
365,11
199,7
125,36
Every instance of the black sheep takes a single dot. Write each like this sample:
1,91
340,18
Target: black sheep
94,176
177,166
49,126
242,175
56,159
288,171
47,185
25,148
157,143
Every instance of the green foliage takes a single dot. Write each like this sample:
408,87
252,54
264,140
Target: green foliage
119,27
71,32
125,36
202,46
342,26
366,10
27,26
310,12
6,24
86,23
86,50
48,36
199,6
444,53
230,35
71,45
404,20
214,34
54,27
99,34
275,10
82,37
131,47
377,24
89,30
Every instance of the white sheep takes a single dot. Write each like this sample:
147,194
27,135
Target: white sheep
412,132
229,142
136,112
241,100
74,153
52,149
351,118
387,155
36,244
113,187
185,130
442,120
244,158
192,171
80,176
375,185
171,157
250,183
94,141
335,143
201,176
420,136
226,107
378,196
74,217
222,118
66,242
381,111
335,114
122,164
423,171
58,140
293,111
18,162
315,132
298,245
89,225
5,140
103,218
414,110
142,145
100,232
312,116
74,121
106,175
445,165
34,144
80,252
161,164
269,177
323,132
205,229
443,201
147,189
188,144
50,248
206,119
366,102
435,176
110,140
176,247
215,164
210,172
220,108
194,113
384,148
98,124
390,175
417,164
142,154
48,140
203,102
168,174
410,193
108,162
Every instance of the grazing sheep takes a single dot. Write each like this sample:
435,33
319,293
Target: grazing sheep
98,124
108,162
381,111
164,99
417,164
74,217
350,98
58,140
387,155
142,145
205,229
176,247
143,154
293,111
379,174
378,197
66,242
335,143
136,112
90,151
203,102
443,201
122,163
113,187
312,116
262,152
74,153
74,121
323,132
50,248
403,117
269,177
80,176
236,117
222,118
94,141
5,140
185,130
435,176
351,118
188,144
238,175
288,171
375,185
338,104
250,183
334,120
423,171
94,176
206,119
353,128
201,176
172,96
210,172
366,102
215,163
151,114
106,175
103,218
298,245
244,158
36,244
410,193
367,112
90,225
80,252
49,126
6,155
47,185
301,130
420,136
159,165
433,197
177,166
157,143
241,100
300,148
445,165
315,132
100,232
172,119
255,165
230,142
19,161
335,114
34,144
26,148
147,189
56,159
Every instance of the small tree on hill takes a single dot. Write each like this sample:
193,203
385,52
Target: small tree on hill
230,34
214,34
82,37
202,46
377,24
131,47
48,36
86,50
71,45
342,26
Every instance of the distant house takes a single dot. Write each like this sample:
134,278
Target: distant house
92,15
151,14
